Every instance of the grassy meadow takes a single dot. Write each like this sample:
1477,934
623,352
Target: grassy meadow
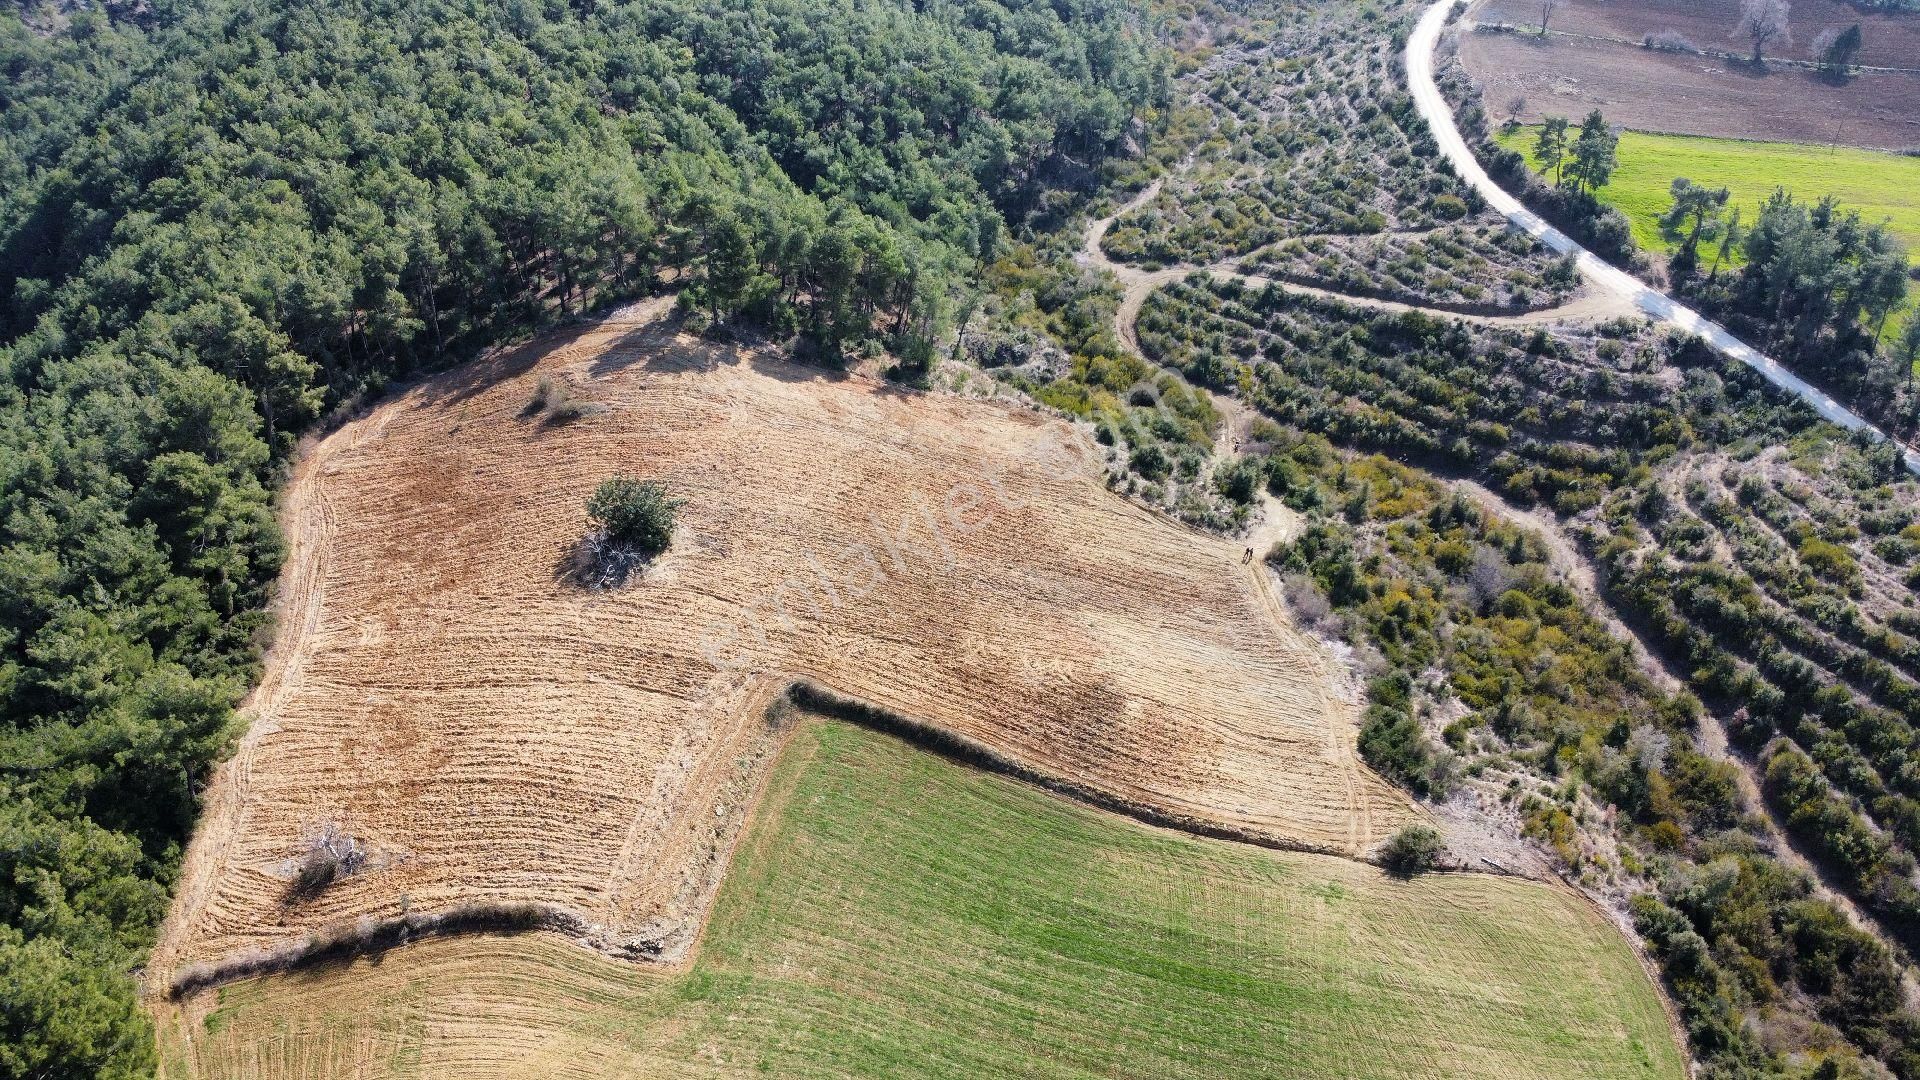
1879,185
1882,186
891,913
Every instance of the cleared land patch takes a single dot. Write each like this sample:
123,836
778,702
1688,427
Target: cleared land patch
491,733
1650,90
1879,185
891,912
1887,40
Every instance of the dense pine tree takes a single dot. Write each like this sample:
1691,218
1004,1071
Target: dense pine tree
222,221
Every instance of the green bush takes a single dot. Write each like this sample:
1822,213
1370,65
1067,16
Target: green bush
1241,480
1392,742
1828,560
634,513
1150,461
1412,850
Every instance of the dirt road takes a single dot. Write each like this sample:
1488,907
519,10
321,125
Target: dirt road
1593,305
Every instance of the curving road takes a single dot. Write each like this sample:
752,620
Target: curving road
1593,305
1650,301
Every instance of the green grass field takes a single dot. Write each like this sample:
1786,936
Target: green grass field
1880,186
891,913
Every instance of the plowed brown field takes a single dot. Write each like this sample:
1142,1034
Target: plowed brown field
493,732
1887,40
1594,60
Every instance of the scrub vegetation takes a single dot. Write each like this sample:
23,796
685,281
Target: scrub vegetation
1484,267
1307,130
1768,559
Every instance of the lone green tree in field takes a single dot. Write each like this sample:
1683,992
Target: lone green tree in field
1412,850
634,514
1695,215
1550,146
1592,156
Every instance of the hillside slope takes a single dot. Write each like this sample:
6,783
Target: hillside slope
492,731
894,914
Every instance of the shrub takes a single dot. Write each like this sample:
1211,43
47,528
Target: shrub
331,855
1304,599
545,392
1828,560
1449,207
567,407
1150,461
557,400
1241,480
1412,850
633,513
1671,41
1392,742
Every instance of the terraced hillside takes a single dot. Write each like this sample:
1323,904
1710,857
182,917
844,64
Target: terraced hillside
1483,268
1767,559
891,913
1312,160
1564,557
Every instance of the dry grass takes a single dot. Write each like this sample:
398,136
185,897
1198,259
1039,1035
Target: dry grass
494,735
891,913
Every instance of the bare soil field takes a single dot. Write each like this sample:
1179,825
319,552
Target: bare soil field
1684,94
490,731
1886,40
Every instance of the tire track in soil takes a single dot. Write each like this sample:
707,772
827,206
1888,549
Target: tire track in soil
297,611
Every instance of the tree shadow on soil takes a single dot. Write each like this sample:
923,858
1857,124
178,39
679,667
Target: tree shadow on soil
592,564
469,380
667,346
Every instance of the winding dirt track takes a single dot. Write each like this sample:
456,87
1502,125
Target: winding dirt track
495,733
1594,305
